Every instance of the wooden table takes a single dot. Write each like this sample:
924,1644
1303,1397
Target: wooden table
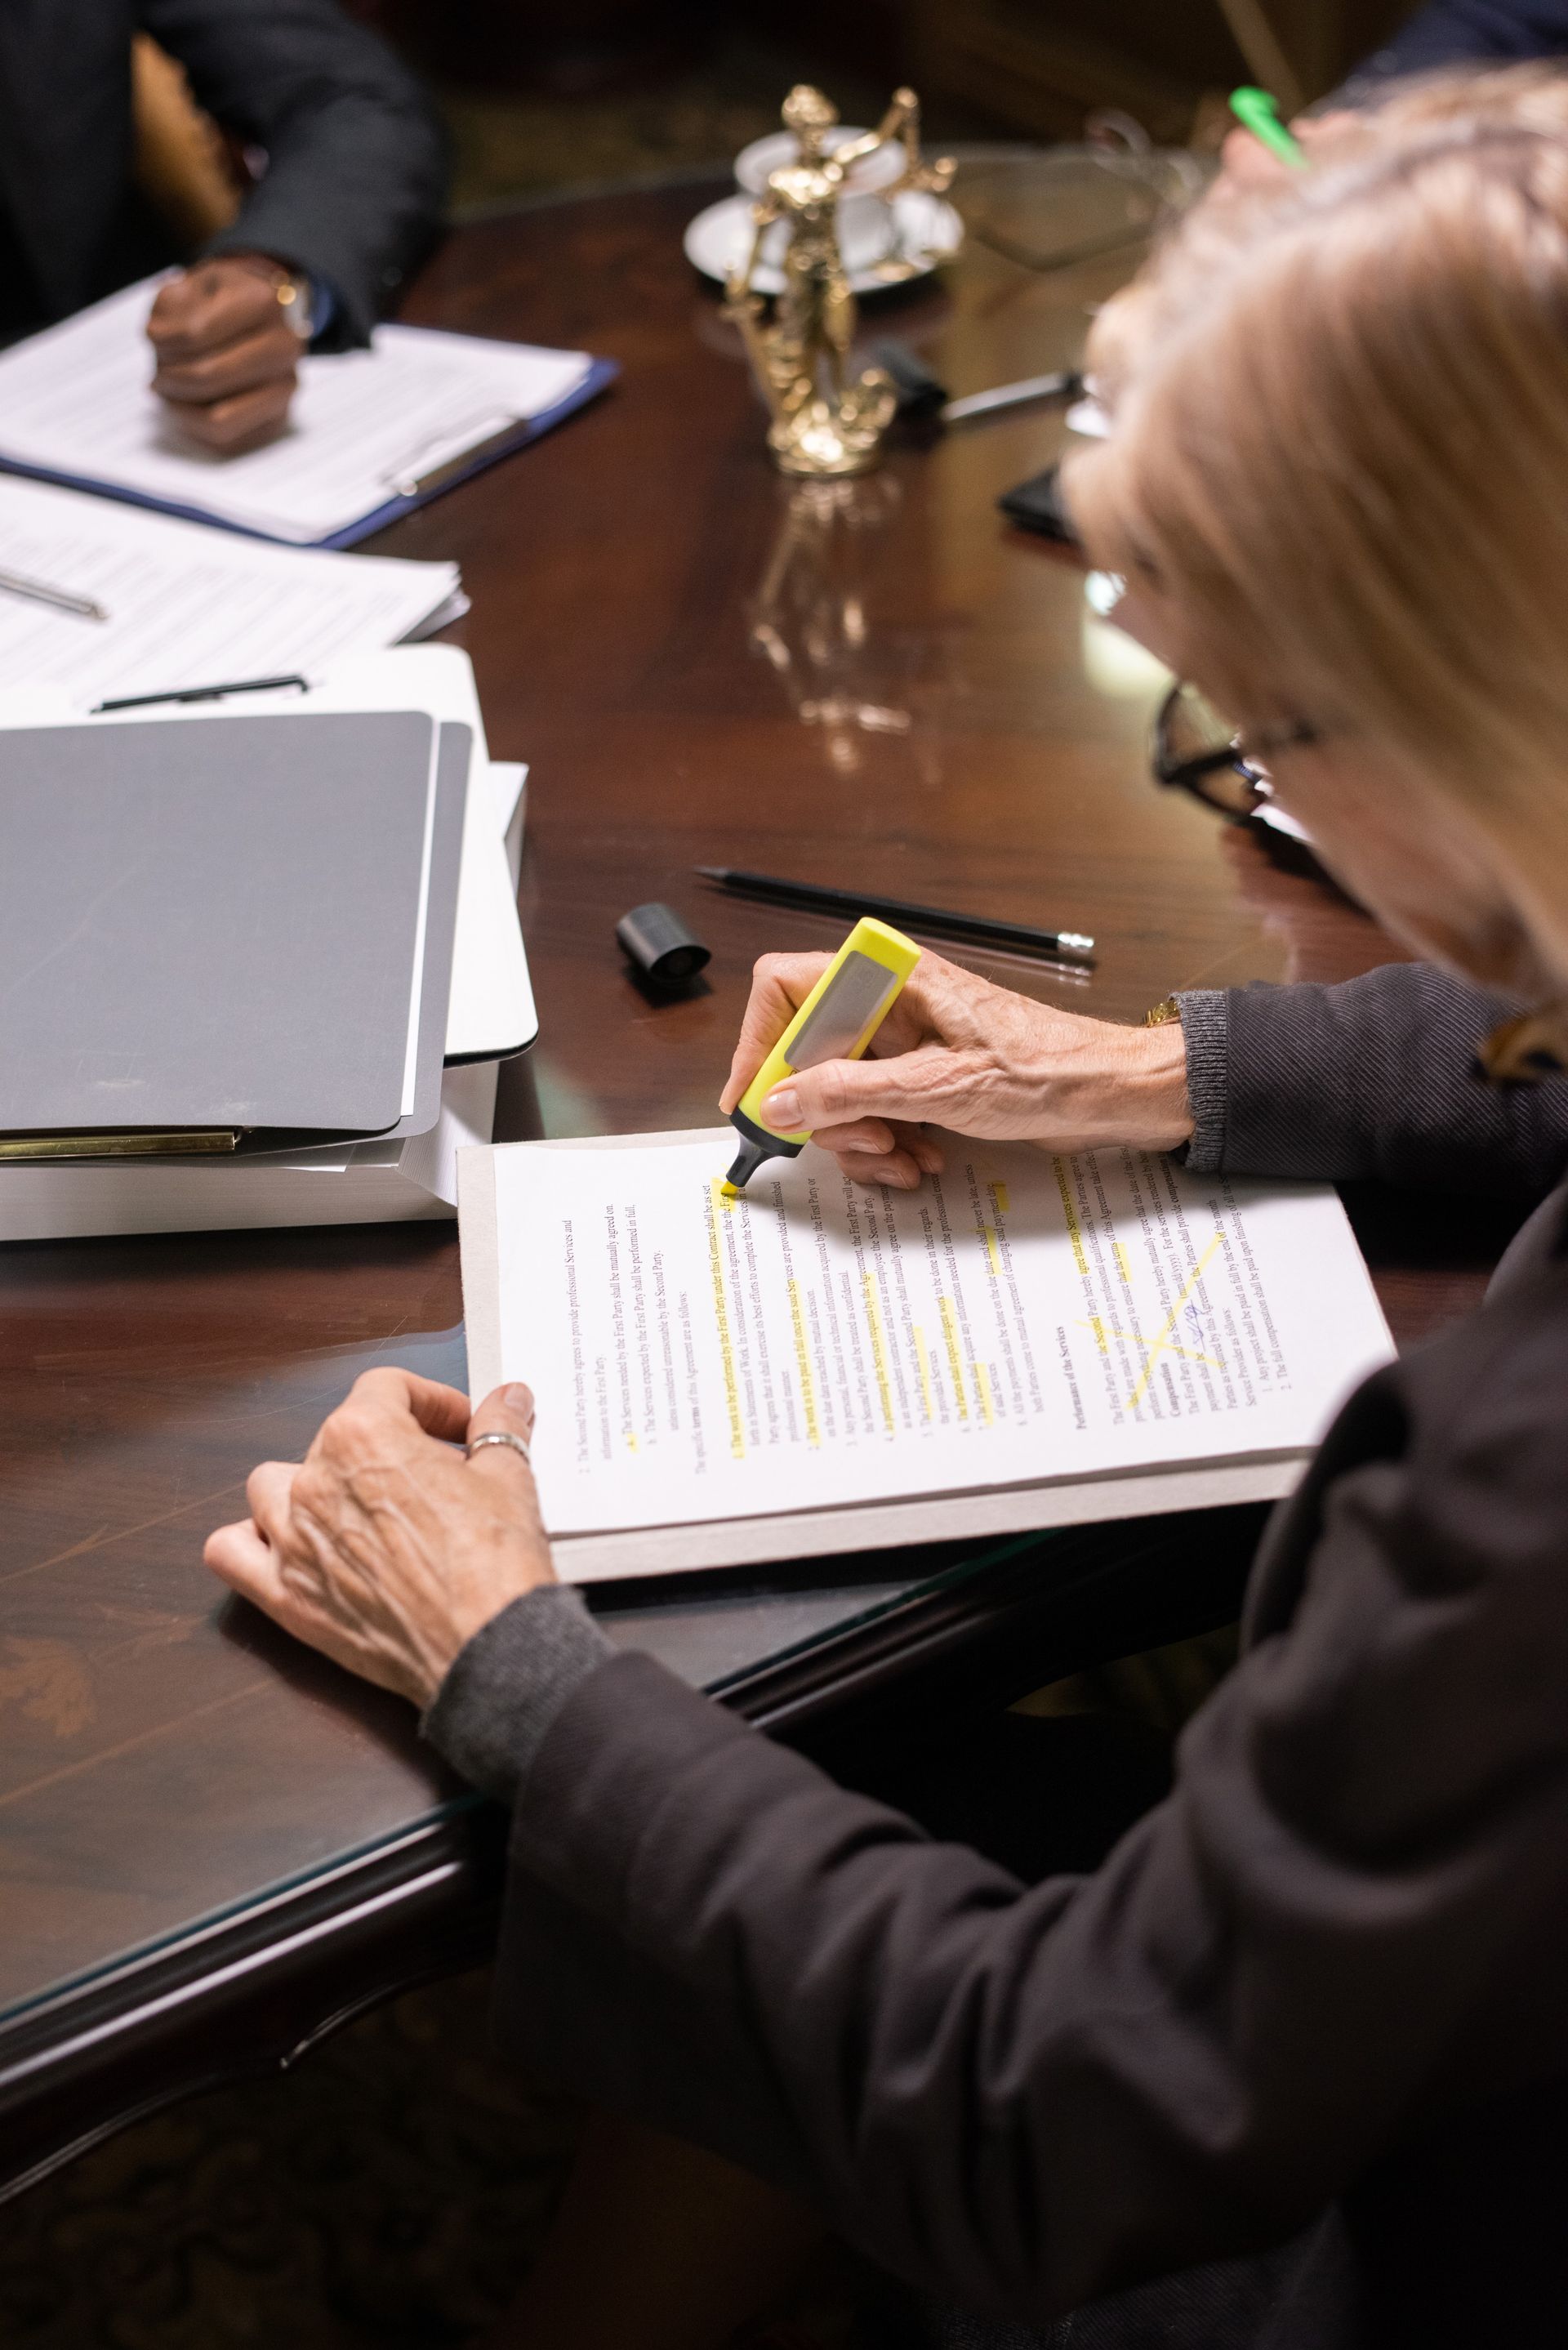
211,1845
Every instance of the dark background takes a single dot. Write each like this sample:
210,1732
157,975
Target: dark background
548,93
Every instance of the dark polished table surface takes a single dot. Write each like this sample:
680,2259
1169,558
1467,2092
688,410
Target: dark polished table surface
213,1846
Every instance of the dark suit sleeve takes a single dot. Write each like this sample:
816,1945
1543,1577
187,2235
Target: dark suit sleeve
1461,32
1375,1077
356,167
1350,1914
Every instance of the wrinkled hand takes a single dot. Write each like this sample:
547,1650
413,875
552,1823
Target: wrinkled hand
227,355
386,1549
957,1052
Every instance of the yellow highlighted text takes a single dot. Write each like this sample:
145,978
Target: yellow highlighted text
949,1332
922,1355
802,1366
722,1314
878,1347
1071,1212
982,1389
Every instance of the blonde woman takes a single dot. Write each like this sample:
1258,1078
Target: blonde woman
1288,2068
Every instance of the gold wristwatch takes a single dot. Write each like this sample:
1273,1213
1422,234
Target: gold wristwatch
1160,1014
293,295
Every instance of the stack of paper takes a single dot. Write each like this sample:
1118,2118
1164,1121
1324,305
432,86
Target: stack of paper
186,607
821,1366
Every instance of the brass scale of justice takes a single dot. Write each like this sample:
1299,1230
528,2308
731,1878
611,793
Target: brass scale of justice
823,425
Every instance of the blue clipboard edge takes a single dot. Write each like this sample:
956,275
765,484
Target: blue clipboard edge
600,375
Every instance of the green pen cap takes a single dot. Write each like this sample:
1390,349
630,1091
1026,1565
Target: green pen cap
1256,112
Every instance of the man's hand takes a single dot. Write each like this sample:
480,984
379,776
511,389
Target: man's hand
957,1052
227,355
387,1549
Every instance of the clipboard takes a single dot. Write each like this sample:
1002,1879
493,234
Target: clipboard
373,434
451,470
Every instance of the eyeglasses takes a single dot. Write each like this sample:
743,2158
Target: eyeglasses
1198,751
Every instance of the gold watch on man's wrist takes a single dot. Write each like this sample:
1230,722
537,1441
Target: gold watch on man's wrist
1160,1014
295,294
296,298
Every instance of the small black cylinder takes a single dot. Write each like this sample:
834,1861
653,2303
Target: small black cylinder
660,945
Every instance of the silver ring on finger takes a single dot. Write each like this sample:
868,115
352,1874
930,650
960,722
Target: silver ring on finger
499,1435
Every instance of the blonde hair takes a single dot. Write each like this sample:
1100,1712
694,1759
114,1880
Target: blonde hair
1341,451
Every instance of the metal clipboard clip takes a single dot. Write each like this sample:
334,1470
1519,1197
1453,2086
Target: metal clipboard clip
440,456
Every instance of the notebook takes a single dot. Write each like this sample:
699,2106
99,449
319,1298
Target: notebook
245,925
371,435
410,1179
491,1013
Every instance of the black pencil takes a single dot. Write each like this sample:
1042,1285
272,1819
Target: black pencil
1066,946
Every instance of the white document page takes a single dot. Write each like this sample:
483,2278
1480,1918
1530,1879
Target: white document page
78,399
186,606
817,1343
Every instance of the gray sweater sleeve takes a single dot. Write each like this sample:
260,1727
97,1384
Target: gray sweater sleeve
1454,33
1375,1077
490,1716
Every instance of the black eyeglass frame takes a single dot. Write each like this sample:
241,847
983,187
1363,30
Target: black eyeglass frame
1192,773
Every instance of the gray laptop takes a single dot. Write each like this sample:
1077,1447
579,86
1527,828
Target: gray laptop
240,923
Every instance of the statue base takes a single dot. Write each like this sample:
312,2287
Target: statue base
822,440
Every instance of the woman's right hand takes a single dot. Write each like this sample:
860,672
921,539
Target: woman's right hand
957,1052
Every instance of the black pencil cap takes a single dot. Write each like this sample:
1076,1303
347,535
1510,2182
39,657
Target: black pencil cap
660,945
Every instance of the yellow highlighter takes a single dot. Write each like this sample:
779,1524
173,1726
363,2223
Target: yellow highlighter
835,1022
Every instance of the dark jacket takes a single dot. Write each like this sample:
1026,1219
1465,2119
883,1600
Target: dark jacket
1464,32
1325,1984
356,162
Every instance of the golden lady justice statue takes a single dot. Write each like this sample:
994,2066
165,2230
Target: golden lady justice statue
823,426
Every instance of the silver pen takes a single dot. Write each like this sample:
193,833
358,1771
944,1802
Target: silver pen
1066,384
923,397
38,591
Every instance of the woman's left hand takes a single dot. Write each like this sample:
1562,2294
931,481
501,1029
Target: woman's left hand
386,1548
